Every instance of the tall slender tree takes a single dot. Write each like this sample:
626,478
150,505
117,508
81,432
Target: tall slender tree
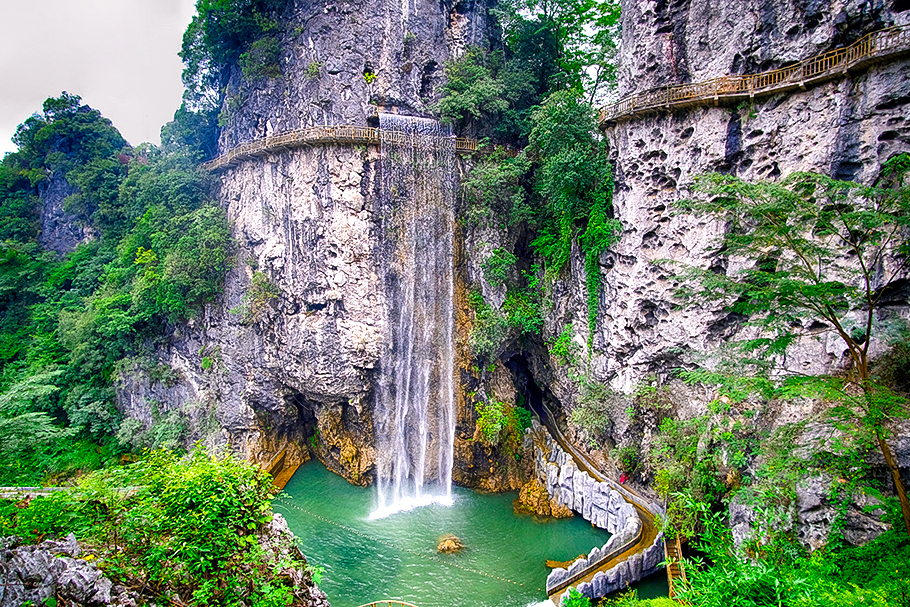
823,251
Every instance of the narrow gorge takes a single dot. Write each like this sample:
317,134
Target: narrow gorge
480,272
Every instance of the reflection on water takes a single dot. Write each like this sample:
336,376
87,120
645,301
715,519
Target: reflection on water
502,564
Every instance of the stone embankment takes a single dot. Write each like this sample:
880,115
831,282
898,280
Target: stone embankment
635,549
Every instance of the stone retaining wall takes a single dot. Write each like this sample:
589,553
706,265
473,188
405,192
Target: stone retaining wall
605,507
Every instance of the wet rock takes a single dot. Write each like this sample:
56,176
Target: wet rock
533,498
449,544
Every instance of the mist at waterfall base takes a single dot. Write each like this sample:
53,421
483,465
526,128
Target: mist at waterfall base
415,404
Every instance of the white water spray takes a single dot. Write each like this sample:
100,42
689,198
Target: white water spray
415,403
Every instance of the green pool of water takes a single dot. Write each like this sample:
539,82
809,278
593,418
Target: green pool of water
396,557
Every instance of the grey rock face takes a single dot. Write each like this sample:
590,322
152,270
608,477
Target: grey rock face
301,368
280,545
340,61
677,42
844,128
304,360
61,231
51,569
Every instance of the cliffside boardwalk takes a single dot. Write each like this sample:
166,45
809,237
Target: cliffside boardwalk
871,48
318,135
647,537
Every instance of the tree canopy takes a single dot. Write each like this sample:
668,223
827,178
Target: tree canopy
817,255
160,254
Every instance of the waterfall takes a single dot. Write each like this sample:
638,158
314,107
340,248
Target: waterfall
415,403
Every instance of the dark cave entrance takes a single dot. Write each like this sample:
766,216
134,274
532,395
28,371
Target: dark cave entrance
529,394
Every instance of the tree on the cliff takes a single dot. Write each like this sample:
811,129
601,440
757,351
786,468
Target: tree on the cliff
821,255
564,44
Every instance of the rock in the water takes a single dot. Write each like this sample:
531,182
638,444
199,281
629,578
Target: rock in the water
449,544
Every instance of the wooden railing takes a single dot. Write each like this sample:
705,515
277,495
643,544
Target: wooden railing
388,603
318,135
676,572
868,49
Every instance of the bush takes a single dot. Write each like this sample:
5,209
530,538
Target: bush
189,532
497,268
254,301
592,412
490,329
261,60
491,420
576,599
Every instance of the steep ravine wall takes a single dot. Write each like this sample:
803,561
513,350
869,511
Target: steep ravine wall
845,128
327,50
299,369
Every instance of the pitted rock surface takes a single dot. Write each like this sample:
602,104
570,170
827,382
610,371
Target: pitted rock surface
51,569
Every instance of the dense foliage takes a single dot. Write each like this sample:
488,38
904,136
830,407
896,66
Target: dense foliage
825,255
223,34
537,94
155,251
187,532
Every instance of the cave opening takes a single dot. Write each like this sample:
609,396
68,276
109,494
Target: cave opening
529,394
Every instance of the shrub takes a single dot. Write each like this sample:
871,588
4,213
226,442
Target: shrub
562,348
254,301
491,420
497,268
576,599
189,532
592,412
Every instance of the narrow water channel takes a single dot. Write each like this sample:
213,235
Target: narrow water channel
396,557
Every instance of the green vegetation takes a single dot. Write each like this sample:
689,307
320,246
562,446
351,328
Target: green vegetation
222,34
502,425
532,96
313,69
254,301
499,266
595,405
159,254
563,349
261,60
186,534
520,317
821,248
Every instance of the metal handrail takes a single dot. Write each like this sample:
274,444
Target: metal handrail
388,603
318,135
822,67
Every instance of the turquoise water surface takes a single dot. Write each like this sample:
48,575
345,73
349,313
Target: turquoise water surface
396,557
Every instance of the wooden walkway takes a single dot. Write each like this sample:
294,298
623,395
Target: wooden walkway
676,571
644,540
871,48
318,135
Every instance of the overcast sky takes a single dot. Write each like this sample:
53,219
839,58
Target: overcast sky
120,56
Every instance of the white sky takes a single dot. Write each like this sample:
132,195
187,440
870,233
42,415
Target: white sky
120,56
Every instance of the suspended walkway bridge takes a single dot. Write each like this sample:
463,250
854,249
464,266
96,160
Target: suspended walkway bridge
319,135
872,48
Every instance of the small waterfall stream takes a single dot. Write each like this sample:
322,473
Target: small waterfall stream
415,405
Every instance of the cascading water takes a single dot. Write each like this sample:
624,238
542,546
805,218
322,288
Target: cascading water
415,408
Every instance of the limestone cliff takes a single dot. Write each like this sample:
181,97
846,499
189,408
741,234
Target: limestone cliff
296,362
845,128
290,355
